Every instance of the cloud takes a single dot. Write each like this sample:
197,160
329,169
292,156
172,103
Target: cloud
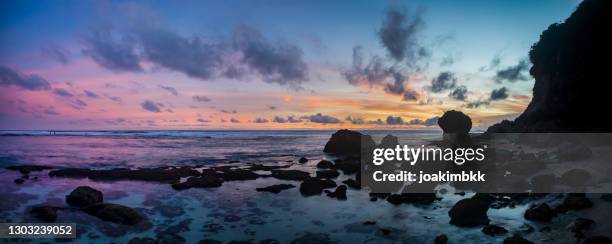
433,121
90,94
444,81
376,122
228,111
460,93
513,73
202,99
355,120
169,89
398,34
150,106
492,65
477,104
9,77
322,119
261,120
112,53
391,120
278,119
499,94
50,111
410,95
374,72
277,63
56,53
193,57
272,107
62,92
201,120
234,120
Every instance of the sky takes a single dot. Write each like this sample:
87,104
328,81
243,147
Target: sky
104,65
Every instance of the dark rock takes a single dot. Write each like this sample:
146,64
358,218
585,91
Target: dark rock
607,197
469,212
543,183
579,226
441,239
162,174
348,166
546,229
339,193
114,213
385,231
494,230
575,177
262,167
348,142
303,160
26,169
204,181
566,60
143,240
573,152
456,127
315,186
597,240
369,222
237,175
19,181
241,242
330,173
541,212
269,241
324,164
516,239
312,238
389,141
46,213
276,188
209,241
84,196
352,183
290,175
412,198
574,201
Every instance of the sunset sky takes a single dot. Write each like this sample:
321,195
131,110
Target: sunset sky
88,65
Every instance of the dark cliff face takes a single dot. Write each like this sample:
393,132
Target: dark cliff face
571,67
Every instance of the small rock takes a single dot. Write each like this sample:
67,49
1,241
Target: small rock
541,212
340,193
46,213
493,230
516,239
312,238
324,164
441,239
469,212
330,173
84,196
276,188
352,184
19,181
303,160
204,181
114,213
315,186
597,240
290,174
579,226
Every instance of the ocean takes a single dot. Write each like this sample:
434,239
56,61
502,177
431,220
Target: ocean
235,211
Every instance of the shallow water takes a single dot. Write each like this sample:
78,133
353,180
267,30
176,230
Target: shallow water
234,211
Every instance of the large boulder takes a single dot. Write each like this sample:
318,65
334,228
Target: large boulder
469,213
315,186
114,213
46,213
541,212
570,66
348,142
456,127
84,196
